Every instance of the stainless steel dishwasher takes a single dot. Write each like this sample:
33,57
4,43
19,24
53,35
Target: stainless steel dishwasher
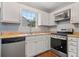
13,47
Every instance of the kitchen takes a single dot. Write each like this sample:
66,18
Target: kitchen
39,29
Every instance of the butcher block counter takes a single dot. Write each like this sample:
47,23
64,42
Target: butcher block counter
20,34
75,34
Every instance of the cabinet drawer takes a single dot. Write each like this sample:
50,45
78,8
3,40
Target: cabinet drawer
70,54
72,43
0,47
30,38
37,38
33,38
72,49
73,39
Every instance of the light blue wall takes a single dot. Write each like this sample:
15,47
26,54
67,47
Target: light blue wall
9,27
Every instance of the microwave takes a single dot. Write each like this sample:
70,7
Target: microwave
64,15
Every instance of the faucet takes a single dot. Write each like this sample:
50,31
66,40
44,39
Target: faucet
30,30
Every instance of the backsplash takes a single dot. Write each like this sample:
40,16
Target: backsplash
8,27
76,27
21,28
16,27
53,29
64,25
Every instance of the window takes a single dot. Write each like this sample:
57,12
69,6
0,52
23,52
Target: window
29,18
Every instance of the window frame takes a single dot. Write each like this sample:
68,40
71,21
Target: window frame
36,20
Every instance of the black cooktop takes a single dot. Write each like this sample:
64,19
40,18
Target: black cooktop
62,33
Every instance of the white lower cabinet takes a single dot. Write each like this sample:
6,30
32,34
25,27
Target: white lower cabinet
72,54
78,47
72,47
0,47
36,45
30,49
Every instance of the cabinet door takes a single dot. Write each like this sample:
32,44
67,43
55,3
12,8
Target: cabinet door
78,46
72,46
43,18
31,49
43,43
0,47
30,46
0,4
75,13
70,54
37,44
46,41
52,20
11,11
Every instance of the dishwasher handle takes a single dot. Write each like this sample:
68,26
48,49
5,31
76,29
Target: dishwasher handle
12,40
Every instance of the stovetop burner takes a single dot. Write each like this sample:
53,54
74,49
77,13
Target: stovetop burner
62,33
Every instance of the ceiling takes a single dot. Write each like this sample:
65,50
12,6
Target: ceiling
47,6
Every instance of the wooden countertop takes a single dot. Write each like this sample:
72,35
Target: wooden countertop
75,34
20,34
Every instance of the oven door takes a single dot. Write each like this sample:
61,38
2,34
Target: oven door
59,45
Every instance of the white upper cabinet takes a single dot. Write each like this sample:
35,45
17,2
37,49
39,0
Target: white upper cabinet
0,11
46,19
0,4
43,19
10,12
75,13
52,20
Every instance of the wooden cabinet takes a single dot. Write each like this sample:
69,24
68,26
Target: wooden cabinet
37,44
75,13
72,46
11,12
